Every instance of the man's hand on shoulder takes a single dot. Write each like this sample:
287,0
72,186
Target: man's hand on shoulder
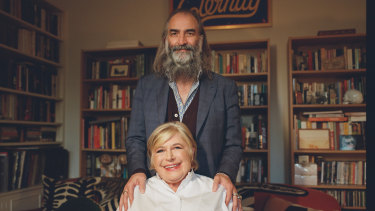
224,180
128,192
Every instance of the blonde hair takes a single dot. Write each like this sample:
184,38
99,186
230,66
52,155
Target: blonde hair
165,132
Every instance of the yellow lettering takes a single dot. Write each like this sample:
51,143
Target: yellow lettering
210,9
222,8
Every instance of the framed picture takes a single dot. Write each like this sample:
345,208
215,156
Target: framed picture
313,139
228,14
351,142
119,70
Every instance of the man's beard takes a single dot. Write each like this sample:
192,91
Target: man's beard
183,65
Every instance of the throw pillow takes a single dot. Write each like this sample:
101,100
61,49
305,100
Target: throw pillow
79,204
108,192
56,192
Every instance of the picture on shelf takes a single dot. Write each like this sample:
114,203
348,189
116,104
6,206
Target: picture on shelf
314,139
119,70
351,142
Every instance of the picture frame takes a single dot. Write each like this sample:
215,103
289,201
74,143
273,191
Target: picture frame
313,139
119,70
229,15
351,142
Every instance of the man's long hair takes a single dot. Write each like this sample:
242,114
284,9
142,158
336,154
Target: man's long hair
162,54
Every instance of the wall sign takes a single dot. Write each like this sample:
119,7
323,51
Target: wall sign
228,14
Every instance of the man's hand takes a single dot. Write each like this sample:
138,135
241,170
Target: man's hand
231,190
128,192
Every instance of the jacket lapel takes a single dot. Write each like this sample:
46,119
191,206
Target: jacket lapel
207,93
162,101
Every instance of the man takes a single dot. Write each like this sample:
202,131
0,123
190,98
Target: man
185,89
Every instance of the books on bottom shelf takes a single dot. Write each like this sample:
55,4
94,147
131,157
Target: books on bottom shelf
252,170
331,172
20,169
342,172
348,198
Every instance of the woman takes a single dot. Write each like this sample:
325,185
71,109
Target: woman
172,152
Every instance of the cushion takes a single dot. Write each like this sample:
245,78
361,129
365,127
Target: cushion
79,204
108,192
57,192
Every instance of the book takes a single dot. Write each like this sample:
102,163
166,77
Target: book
9,134
4,171
328,119
322,112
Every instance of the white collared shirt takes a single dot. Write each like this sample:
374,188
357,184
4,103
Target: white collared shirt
194,193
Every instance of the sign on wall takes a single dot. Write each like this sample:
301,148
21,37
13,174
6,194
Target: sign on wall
228,14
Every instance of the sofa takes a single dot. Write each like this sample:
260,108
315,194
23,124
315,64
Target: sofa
103,193
85,193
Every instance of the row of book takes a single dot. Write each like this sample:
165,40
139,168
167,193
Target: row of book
20,169
34,13
239,62
342,172
330,59
29,77
27,134
348,198
254,131
344,131
252,170
36,44
106,165
26,108
131,66
252,94
327,92
105,133
112,96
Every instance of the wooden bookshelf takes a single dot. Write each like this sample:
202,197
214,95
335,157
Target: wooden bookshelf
248,63
31,96
88,83
98,110
321,70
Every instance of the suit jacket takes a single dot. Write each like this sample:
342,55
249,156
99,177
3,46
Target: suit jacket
218,130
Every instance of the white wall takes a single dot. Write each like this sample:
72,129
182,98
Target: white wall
92,23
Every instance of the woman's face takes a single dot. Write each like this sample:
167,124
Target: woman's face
172,161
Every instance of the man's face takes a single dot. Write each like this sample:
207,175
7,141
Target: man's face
183,36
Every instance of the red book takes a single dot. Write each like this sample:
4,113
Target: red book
243,131
328,119
332,139
96,137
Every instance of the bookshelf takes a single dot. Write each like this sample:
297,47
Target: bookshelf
96,79
324,116
31,102
248,63
108,80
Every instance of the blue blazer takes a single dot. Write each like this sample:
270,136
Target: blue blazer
218,130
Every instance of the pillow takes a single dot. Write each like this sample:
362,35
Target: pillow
79,204
57,192
108,192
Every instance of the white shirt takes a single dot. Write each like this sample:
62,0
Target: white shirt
194,193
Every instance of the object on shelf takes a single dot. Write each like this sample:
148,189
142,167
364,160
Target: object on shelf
353,96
